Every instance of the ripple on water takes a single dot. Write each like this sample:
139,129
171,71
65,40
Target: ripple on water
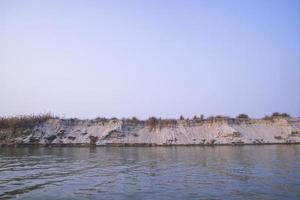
249,172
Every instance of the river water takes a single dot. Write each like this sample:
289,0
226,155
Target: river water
220,172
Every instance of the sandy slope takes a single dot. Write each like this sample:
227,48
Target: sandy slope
184,132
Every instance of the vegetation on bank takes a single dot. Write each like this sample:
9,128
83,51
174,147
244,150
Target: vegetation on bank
242,116
23,121
276,115
29,121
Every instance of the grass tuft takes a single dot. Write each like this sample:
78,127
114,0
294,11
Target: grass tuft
23,121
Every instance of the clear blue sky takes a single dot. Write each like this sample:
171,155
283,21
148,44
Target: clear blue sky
142,58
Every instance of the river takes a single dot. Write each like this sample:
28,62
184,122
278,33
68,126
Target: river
193,172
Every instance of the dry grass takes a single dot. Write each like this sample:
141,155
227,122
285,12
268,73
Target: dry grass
198,119
218,118
101,119
154,123
27,121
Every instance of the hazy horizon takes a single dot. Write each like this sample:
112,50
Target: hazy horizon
90,59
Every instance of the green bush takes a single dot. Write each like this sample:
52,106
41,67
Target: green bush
277,114
243,116
134,119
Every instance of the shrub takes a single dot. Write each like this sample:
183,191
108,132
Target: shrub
202,117
198,119
152,122
285,115
277,114
218,118
243,116
168,122
134,119
267,117
27,121
101,119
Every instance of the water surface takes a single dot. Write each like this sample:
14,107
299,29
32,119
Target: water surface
220,172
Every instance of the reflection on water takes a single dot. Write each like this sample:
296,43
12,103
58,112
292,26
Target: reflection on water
224,172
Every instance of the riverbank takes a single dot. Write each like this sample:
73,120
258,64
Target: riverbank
13,145
53,131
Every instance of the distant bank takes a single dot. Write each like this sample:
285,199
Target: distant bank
219,130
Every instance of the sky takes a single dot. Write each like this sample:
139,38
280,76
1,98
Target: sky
161,58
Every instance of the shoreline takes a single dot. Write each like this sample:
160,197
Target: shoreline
139,145
39,131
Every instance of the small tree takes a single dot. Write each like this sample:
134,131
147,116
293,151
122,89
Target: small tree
202,117
181,117
153,122
285,115
243,116
276,114
134,119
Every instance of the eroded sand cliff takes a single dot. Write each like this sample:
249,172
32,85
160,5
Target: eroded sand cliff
55,131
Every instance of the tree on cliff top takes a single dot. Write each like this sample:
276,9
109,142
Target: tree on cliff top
243,116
